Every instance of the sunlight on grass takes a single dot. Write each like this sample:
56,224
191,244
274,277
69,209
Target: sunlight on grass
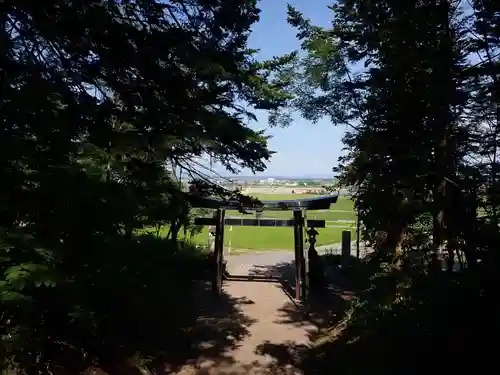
341,216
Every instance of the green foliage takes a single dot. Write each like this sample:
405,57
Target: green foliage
416,83
403,84
102,102
116,296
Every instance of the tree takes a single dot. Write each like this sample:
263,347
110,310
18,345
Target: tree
375,71
415,83
96,99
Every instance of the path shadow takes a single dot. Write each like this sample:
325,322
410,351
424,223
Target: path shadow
182,333
221,326
273,359
130,306
282,273
324,309
218,328
326,305
157,312
286,356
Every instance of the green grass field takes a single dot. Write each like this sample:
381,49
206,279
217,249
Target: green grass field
261,238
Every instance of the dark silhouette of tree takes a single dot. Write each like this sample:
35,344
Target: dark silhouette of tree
98,101
416,85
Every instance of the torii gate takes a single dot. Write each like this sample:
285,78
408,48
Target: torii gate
299,223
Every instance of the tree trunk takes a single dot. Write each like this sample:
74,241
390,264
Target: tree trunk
442,125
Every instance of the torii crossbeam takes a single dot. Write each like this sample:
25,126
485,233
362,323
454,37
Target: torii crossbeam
299,223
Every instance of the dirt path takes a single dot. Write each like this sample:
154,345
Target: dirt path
255,327
276,331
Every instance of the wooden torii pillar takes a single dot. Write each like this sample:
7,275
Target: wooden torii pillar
298,222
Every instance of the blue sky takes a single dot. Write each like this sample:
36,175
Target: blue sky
303,148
